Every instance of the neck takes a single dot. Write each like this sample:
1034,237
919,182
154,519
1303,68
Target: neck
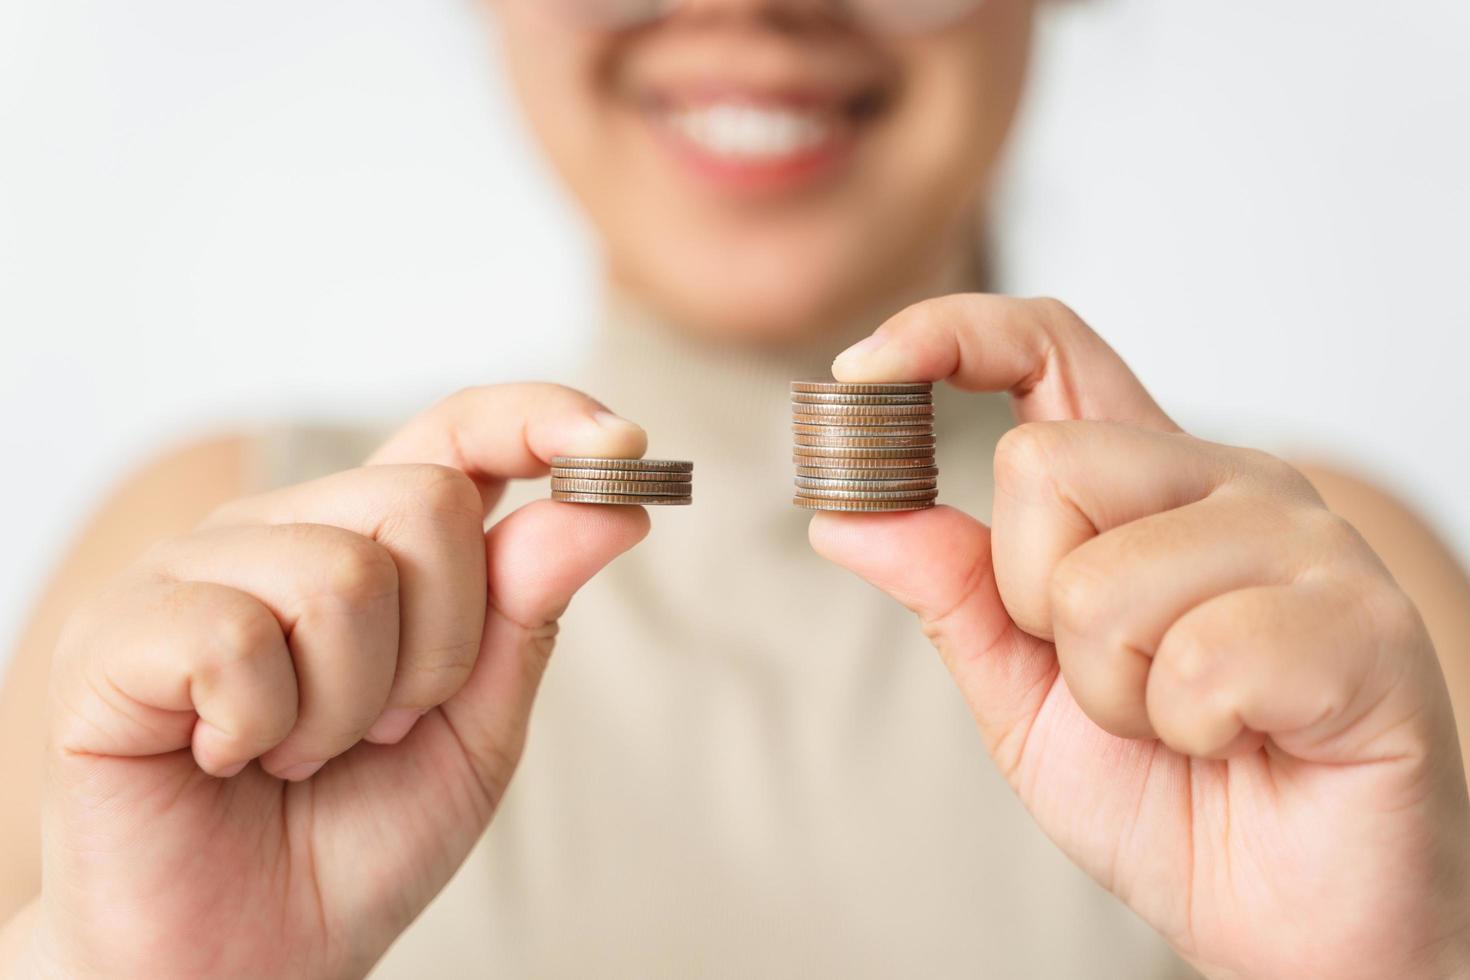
692,390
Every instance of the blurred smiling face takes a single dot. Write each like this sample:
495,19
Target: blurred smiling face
765,168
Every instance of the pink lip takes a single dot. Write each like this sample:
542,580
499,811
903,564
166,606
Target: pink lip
754,176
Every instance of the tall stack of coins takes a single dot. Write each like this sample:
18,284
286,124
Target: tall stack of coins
644,482
864,447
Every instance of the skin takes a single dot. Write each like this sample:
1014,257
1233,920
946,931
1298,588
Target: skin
195,698
1195,668
1206,687
719,260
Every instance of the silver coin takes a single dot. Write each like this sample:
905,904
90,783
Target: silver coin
863,506
866,463
849,411
866,475
862,432
624,487
866,442
867,494
861,422
596,463
815,483
800,398
659,476
844,474
820,387
829,452
620,499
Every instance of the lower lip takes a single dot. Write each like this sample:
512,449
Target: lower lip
795,171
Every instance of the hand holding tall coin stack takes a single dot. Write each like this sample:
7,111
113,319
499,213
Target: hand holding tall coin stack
627,482
864,447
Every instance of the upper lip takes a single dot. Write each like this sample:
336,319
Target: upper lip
759,74
710,91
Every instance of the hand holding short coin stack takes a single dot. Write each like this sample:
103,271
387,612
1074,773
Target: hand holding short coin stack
864,447
626,482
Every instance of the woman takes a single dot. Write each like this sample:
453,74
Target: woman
282,710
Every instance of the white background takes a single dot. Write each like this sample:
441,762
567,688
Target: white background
215,211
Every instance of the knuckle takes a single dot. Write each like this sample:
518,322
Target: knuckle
1055,313
466,396
1189,657
1331,537
1026,453
1391,615
240,633
444,490
1060,323
1081,597
359,570
465,402
1276,473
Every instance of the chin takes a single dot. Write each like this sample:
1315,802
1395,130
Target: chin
781,282
748,314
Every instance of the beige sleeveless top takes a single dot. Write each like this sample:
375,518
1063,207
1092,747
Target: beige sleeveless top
744,761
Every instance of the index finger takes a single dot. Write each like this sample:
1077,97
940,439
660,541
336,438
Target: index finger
499,432
1052,363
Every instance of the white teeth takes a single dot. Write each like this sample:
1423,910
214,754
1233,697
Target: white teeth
749,132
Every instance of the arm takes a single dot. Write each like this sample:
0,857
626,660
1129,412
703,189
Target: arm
164,499
1424,568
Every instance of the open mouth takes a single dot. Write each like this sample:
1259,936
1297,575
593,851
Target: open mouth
761,140
736,131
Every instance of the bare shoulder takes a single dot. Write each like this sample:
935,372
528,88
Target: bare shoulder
166,496
1425,566
1406,542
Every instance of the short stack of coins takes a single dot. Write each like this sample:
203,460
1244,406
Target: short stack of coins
864,447
641,482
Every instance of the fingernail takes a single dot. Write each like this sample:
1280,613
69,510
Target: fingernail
300,772
860,350
234,770
604,433
393,725
608,420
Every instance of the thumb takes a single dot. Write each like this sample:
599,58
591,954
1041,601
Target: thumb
536,560
1052,363
937,563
